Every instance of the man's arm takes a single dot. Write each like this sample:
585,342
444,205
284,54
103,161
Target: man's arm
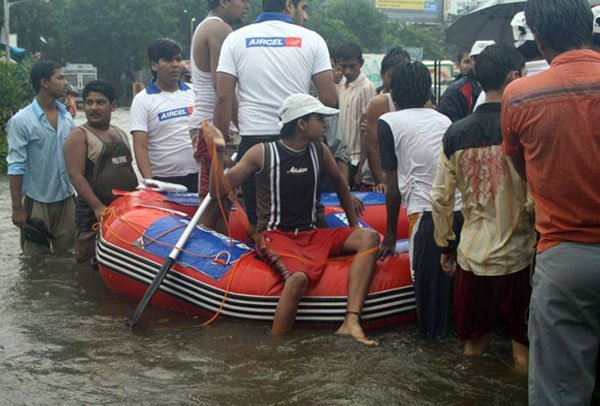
393,199
17,159
340,186
19,216
225,100
139,127
140,147
223,183
511,145
442,201
326,88
75,157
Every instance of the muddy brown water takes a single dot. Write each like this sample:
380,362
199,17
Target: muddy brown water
63,342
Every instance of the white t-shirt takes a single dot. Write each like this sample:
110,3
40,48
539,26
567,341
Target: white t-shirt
271,61
417,137
165,117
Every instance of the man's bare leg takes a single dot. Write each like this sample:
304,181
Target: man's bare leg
285,315
359,280
477,346
520,357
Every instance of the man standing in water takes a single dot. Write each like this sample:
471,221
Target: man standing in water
269,61
287,174
206,49
491,269
37,173
99,159
550,130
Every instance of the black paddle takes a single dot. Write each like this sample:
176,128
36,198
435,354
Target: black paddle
167,265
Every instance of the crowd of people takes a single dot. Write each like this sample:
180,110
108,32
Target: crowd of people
500,180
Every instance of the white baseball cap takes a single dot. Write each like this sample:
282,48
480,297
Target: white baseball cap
596,12
299,105
479,46
521,31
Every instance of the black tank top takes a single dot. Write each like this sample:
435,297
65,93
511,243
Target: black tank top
286,187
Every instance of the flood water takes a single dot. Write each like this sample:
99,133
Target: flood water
63,341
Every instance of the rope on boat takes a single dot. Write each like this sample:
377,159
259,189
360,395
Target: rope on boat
111,214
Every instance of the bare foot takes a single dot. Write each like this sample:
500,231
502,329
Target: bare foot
477,346
354,330
520,357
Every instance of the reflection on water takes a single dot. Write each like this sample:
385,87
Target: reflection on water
63,341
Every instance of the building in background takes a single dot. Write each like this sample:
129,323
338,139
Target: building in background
414,11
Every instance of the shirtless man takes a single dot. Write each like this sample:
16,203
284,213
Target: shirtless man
206,49
286,211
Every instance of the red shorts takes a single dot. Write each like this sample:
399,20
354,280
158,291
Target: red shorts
307,251
479,300
202,156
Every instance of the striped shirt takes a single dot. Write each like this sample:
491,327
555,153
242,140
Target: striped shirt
551,120
353,99
287,186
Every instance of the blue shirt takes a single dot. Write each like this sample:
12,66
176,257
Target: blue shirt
35,151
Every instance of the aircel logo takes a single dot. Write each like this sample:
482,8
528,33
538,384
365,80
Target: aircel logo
274,42
175,113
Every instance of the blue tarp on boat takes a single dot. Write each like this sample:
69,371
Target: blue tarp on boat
201,247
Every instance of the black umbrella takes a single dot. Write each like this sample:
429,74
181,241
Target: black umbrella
489,21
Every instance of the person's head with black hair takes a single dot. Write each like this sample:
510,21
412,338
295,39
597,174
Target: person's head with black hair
48,77
411,86
99,103
497,66
395,57
231,11
164,55
463,61
99,86
559,25
350,60
279,6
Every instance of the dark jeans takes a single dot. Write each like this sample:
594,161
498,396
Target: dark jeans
249,185
189,181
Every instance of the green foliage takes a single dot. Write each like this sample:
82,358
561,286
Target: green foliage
344,21
113,34
16,94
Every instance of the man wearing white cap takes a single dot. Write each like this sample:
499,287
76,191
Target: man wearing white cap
287,174
458,101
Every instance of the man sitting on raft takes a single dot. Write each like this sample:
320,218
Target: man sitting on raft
287,175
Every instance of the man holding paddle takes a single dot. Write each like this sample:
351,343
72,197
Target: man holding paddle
287,175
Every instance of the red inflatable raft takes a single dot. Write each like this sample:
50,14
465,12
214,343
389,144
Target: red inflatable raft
215,273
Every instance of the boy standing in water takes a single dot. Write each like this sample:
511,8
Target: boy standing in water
497,238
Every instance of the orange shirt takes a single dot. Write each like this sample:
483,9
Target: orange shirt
553,120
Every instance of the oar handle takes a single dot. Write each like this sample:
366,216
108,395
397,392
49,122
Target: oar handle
168,264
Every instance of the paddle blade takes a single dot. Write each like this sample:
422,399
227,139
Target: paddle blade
150,292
